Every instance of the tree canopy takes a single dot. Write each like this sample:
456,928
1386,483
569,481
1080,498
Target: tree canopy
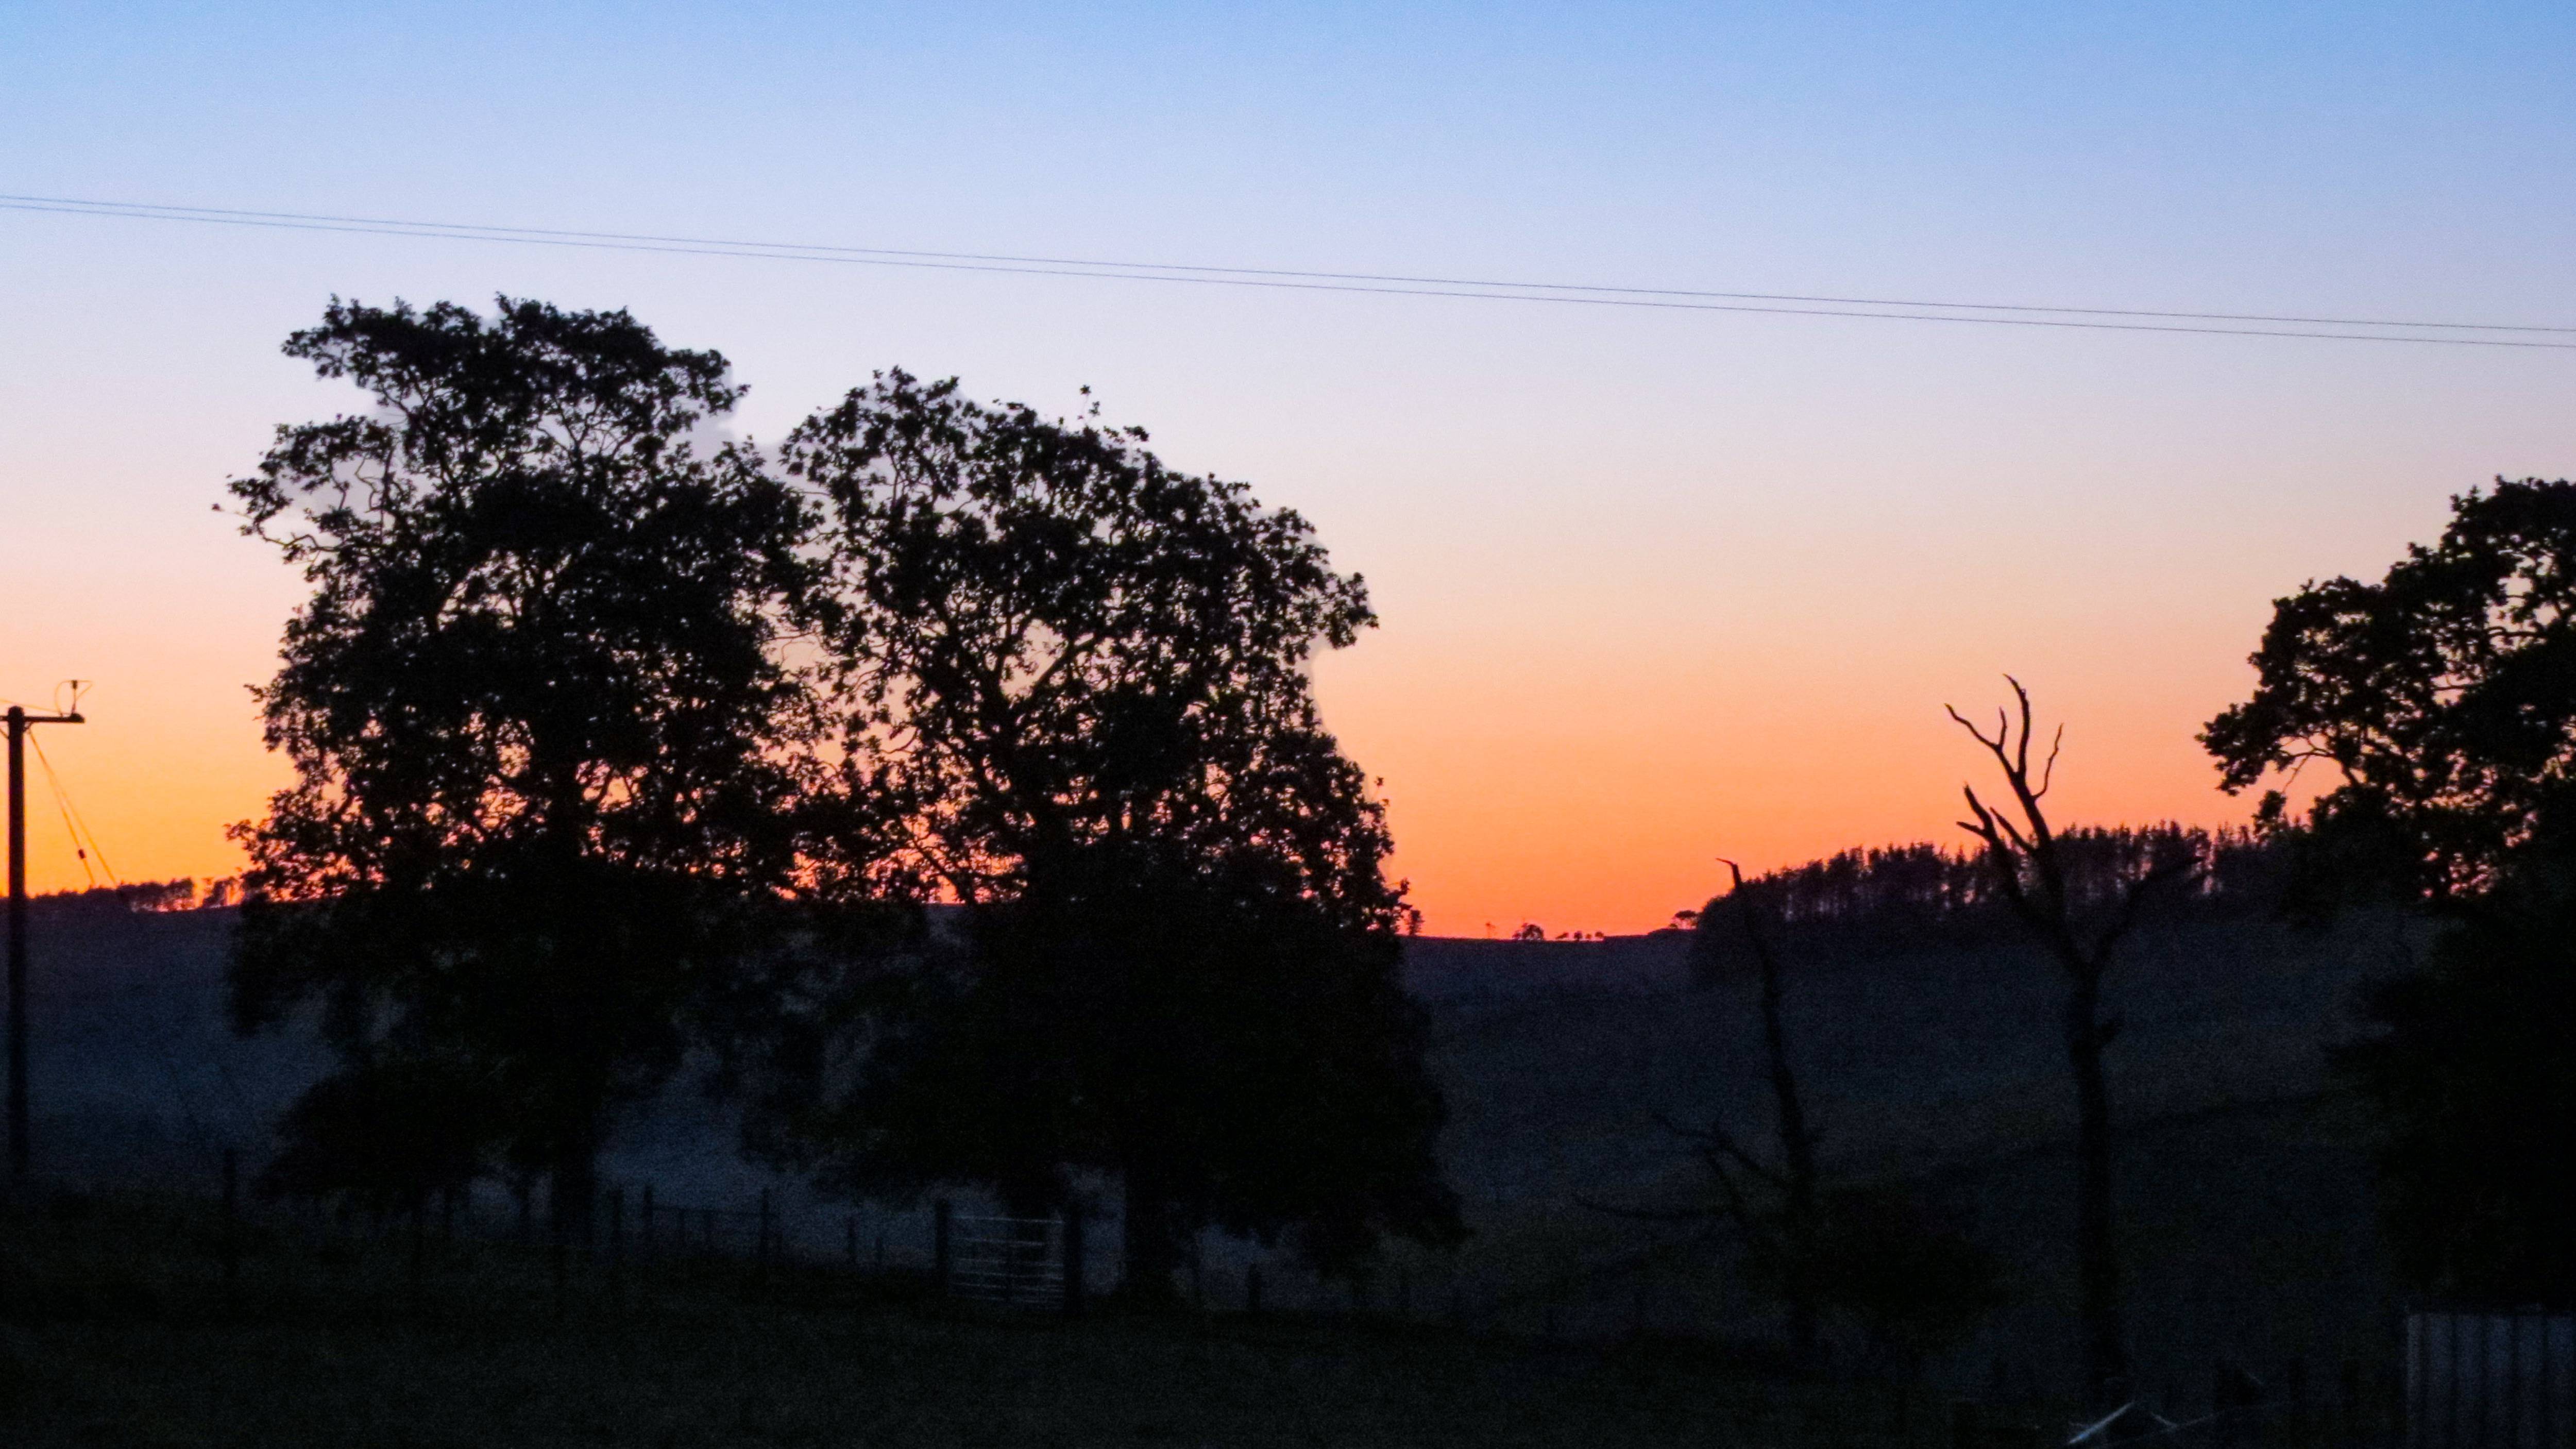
539,707
1078,686
2443,696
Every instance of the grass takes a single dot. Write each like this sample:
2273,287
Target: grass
118,1328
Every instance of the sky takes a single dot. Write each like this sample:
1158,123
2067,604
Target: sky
1656,587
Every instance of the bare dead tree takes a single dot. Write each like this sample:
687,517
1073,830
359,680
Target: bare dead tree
1797,1178
1790,1235
2030,870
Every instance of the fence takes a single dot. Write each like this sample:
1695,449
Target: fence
2490,1380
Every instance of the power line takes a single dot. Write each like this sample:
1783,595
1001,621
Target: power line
64,806
73,820
1370,283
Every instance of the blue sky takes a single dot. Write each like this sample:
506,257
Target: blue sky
1655,585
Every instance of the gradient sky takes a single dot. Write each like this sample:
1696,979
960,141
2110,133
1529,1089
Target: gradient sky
1656,587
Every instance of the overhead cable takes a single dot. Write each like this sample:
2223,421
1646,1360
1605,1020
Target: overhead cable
2018,314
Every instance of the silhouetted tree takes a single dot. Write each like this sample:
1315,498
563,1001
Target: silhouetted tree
1874,1258
1079,691
538,711
2472,1066
2444,697
2030,868
1798,1255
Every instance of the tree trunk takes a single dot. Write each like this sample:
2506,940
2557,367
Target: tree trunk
1798,1159
1151,1239
2106,1355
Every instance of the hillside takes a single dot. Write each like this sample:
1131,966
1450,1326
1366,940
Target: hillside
2244,1176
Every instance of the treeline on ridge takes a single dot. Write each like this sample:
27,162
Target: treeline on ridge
1900,896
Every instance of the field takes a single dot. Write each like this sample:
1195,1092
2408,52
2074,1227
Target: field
118,1329
2244,1174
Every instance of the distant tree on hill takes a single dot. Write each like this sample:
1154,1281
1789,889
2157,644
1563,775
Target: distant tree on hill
2443,697
540,714
1079,693
2029,867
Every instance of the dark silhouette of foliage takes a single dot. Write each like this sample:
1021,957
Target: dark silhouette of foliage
387,1134
2471,1064
539,712
2444,697
2030,869
1912,1283
1078,697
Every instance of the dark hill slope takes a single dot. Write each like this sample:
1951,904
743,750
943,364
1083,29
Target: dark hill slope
2244,1176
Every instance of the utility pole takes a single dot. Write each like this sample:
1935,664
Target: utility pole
19,723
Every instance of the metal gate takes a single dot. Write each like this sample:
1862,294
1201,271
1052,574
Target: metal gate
2490,1380
1015,1262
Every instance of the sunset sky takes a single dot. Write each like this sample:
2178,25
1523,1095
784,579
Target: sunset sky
1656,586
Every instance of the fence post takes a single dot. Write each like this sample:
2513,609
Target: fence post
850,1232
1252,1290
232,1223
645,1246
559,1240
1073,1261
760,1249
617,1240
419,1240
939,1212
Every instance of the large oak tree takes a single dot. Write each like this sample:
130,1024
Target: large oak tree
1078,685
2442,698
541,714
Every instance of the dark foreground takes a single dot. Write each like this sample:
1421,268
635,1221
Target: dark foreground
118,1328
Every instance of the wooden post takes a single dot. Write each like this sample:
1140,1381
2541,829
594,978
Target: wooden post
939,1213
617,1240
1252,1291
558,1241
232,1224
760,1249
646,1244
1073,1261
850,1231
19,722
419,1242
